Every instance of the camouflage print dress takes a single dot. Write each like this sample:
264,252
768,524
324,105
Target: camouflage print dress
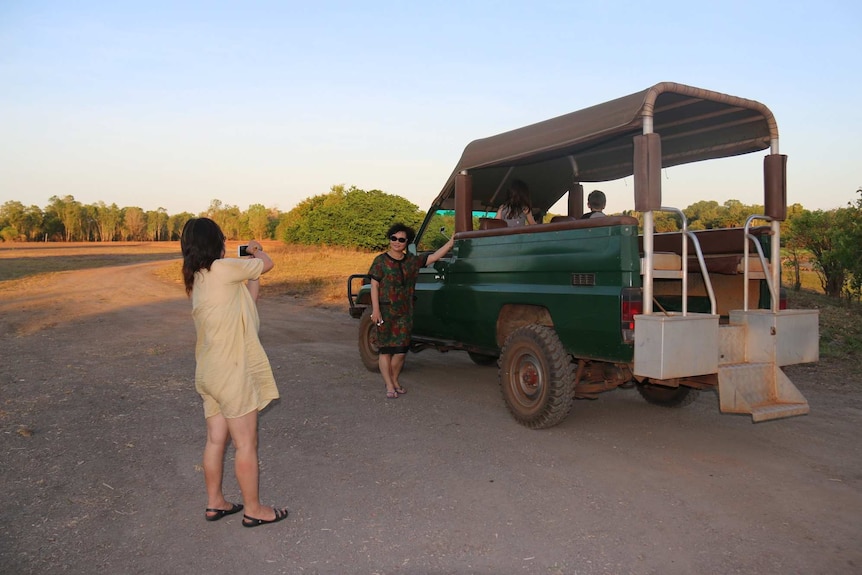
396,279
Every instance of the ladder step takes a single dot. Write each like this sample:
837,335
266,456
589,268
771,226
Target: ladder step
759,389
777,411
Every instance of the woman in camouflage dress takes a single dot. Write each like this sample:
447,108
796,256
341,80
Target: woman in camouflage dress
393,278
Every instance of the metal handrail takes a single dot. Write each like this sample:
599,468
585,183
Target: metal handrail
706,281
763,263
685,232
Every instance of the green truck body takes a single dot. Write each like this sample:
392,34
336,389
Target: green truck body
464,296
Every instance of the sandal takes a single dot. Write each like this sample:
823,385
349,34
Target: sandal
391,394
254,521
400,390
219,513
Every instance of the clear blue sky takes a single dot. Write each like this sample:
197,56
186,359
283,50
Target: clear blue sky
173,104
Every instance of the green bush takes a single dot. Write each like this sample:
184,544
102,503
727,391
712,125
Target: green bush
349,218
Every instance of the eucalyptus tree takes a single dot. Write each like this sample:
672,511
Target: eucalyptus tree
157,225
258,221
109,219
20,222
134,223
68,212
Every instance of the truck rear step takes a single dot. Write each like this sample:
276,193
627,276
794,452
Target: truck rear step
752,349
759,389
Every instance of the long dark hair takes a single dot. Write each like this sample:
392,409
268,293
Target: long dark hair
202,243
518,202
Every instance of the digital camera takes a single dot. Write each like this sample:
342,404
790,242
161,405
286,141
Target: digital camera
242,251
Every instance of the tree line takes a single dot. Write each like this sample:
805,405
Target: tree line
65,219
347,217
830,241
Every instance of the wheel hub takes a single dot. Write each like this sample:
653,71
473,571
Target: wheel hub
529,378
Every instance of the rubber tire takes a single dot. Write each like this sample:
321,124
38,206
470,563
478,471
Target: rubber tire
482,359
368,350
667,396
536,377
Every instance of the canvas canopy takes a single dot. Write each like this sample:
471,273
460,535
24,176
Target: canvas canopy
596,144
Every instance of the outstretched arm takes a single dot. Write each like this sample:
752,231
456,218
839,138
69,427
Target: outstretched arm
444,249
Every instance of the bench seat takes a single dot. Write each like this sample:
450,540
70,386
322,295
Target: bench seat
668,265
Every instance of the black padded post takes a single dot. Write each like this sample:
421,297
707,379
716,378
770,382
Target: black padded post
647,172
775,186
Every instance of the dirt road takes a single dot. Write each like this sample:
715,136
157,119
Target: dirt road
102,435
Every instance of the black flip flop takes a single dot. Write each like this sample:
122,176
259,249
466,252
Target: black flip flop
254,522
219,513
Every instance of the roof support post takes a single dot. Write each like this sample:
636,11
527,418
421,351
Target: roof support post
575,207
463,202
775,206
647,180
649,228
576,201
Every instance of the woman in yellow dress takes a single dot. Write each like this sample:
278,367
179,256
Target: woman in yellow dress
232,374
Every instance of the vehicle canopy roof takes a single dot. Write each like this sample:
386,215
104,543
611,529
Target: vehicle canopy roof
596,144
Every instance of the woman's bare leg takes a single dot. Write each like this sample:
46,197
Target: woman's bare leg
243,431
214,450
395,367
384,361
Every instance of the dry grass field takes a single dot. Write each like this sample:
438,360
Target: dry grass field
27,261
318,275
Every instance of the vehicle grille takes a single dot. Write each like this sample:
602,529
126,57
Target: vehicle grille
583,279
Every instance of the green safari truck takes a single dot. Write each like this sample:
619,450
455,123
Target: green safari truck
570,307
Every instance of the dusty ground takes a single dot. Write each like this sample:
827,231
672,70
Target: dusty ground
102,432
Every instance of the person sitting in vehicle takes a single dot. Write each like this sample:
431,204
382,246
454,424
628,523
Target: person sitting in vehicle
596,202
518,210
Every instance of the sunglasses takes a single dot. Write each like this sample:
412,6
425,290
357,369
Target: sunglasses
397,239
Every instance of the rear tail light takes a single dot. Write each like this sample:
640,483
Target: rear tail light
782,299
631,304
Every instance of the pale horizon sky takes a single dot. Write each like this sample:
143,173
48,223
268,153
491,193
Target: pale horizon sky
174,104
